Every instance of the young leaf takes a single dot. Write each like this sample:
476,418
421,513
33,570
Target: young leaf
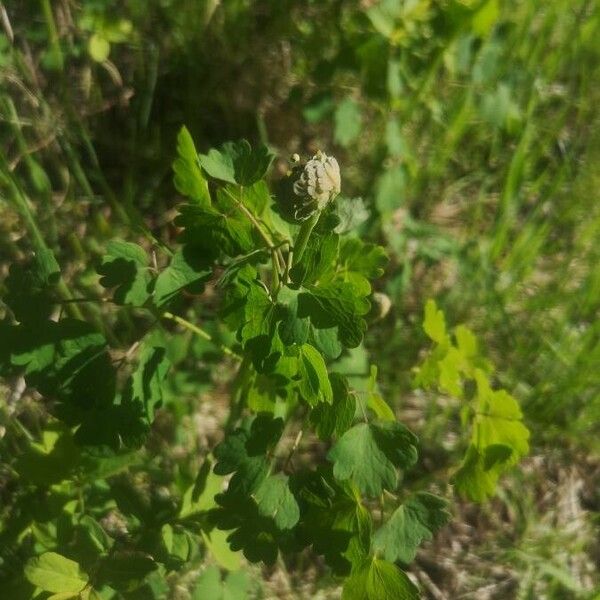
434,323
499,439
370,453
478,474
125,267
412,522
189,179
53,572
379,580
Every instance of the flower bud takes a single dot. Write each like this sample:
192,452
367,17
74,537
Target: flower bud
320,180
309,187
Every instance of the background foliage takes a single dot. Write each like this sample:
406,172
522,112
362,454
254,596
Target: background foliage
469,128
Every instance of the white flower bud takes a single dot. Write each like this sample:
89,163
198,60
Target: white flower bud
320,180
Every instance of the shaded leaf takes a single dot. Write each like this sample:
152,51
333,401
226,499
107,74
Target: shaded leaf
188,270
125,268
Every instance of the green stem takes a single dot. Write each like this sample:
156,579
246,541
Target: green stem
199,331
276,257
303,236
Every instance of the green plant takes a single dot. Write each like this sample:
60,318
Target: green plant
294,288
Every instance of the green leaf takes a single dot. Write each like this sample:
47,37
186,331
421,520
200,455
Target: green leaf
95,533
243,452
314,385
126,268
237,162
147,379
188,270
499,439
347,122
434,323
275,500
257,536
189,179
29,287
216,542
67,360
318,259
53,572
333,520
379,580
336,418
414,521
375,402
292,329
368,260
235,586
125,570
338,304
325,341
478,475
370,453
208,585
216,230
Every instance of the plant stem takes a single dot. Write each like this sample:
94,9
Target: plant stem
303,236
199,331
276,258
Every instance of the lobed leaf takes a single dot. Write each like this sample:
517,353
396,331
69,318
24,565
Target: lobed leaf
413,522
370,453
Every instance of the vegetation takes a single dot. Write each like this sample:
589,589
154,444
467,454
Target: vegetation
238,369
